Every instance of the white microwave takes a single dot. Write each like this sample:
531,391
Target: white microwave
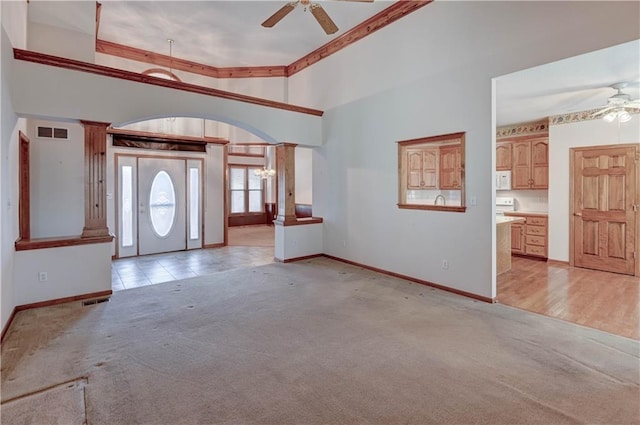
503,180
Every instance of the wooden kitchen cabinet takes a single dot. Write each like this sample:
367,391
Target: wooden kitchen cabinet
450,167
530,164
504,156
422,169
530,238
517,238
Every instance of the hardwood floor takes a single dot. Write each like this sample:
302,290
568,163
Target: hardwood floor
600,300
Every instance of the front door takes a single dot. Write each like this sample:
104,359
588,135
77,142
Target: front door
161,205
603,201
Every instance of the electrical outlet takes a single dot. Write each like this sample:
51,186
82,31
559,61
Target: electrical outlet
42,276
474,200
445,264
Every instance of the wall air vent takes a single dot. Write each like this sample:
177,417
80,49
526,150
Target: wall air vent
43,132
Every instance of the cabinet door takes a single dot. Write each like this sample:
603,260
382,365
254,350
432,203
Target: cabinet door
450,167
540,164
430,169
521,175
503,156
414,169
517,238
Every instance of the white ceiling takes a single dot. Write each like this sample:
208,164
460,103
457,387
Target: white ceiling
575,84
227,33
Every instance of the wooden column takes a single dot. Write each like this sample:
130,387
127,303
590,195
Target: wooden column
286,167
95,179
24,200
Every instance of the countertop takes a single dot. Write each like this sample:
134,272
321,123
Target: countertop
504,220
521,213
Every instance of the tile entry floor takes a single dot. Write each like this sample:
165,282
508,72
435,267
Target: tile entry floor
132,272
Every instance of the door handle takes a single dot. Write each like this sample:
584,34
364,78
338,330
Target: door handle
577,214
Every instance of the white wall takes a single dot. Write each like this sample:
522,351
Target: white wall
562,137
298,241
13,16
304,175
430,74
76,95
57,181
62,42
71,271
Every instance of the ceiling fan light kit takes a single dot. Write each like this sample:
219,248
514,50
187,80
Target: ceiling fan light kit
619,106
316,10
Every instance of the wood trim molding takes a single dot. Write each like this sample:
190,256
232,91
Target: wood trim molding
57,301
98,11
24,200
413,279
293,260
49,303
432,207
299,221
8,325
43,243
163,137
146,56
213,245
389,15
74,65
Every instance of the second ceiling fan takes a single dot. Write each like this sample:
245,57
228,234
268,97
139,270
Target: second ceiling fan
317,11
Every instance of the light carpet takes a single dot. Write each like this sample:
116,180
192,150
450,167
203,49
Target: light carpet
319,342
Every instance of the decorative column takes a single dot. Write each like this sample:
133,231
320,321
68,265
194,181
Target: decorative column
95,179
286,167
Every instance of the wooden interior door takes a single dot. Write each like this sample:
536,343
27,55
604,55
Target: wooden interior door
603,202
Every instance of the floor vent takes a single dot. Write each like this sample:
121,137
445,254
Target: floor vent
96,301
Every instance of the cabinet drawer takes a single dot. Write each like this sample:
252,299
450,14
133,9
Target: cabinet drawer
538,221
536,230
535,250
535,240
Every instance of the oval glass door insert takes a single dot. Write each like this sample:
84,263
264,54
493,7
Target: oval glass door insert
162,204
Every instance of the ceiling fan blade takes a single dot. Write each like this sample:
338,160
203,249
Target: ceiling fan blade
276,17
323,19
603,111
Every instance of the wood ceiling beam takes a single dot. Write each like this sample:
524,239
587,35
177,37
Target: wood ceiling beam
389,15
106,71
139,55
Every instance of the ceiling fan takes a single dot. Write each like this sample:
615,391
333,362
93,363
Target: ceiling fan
317,11
618,106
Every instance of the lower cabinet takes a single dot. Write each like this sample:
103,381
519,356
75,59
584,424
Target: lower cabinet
517,238
531,237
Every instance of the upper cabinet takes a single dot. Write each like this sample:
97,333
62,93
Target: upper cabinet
422,168
528,160
530,164
450,167
503,156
